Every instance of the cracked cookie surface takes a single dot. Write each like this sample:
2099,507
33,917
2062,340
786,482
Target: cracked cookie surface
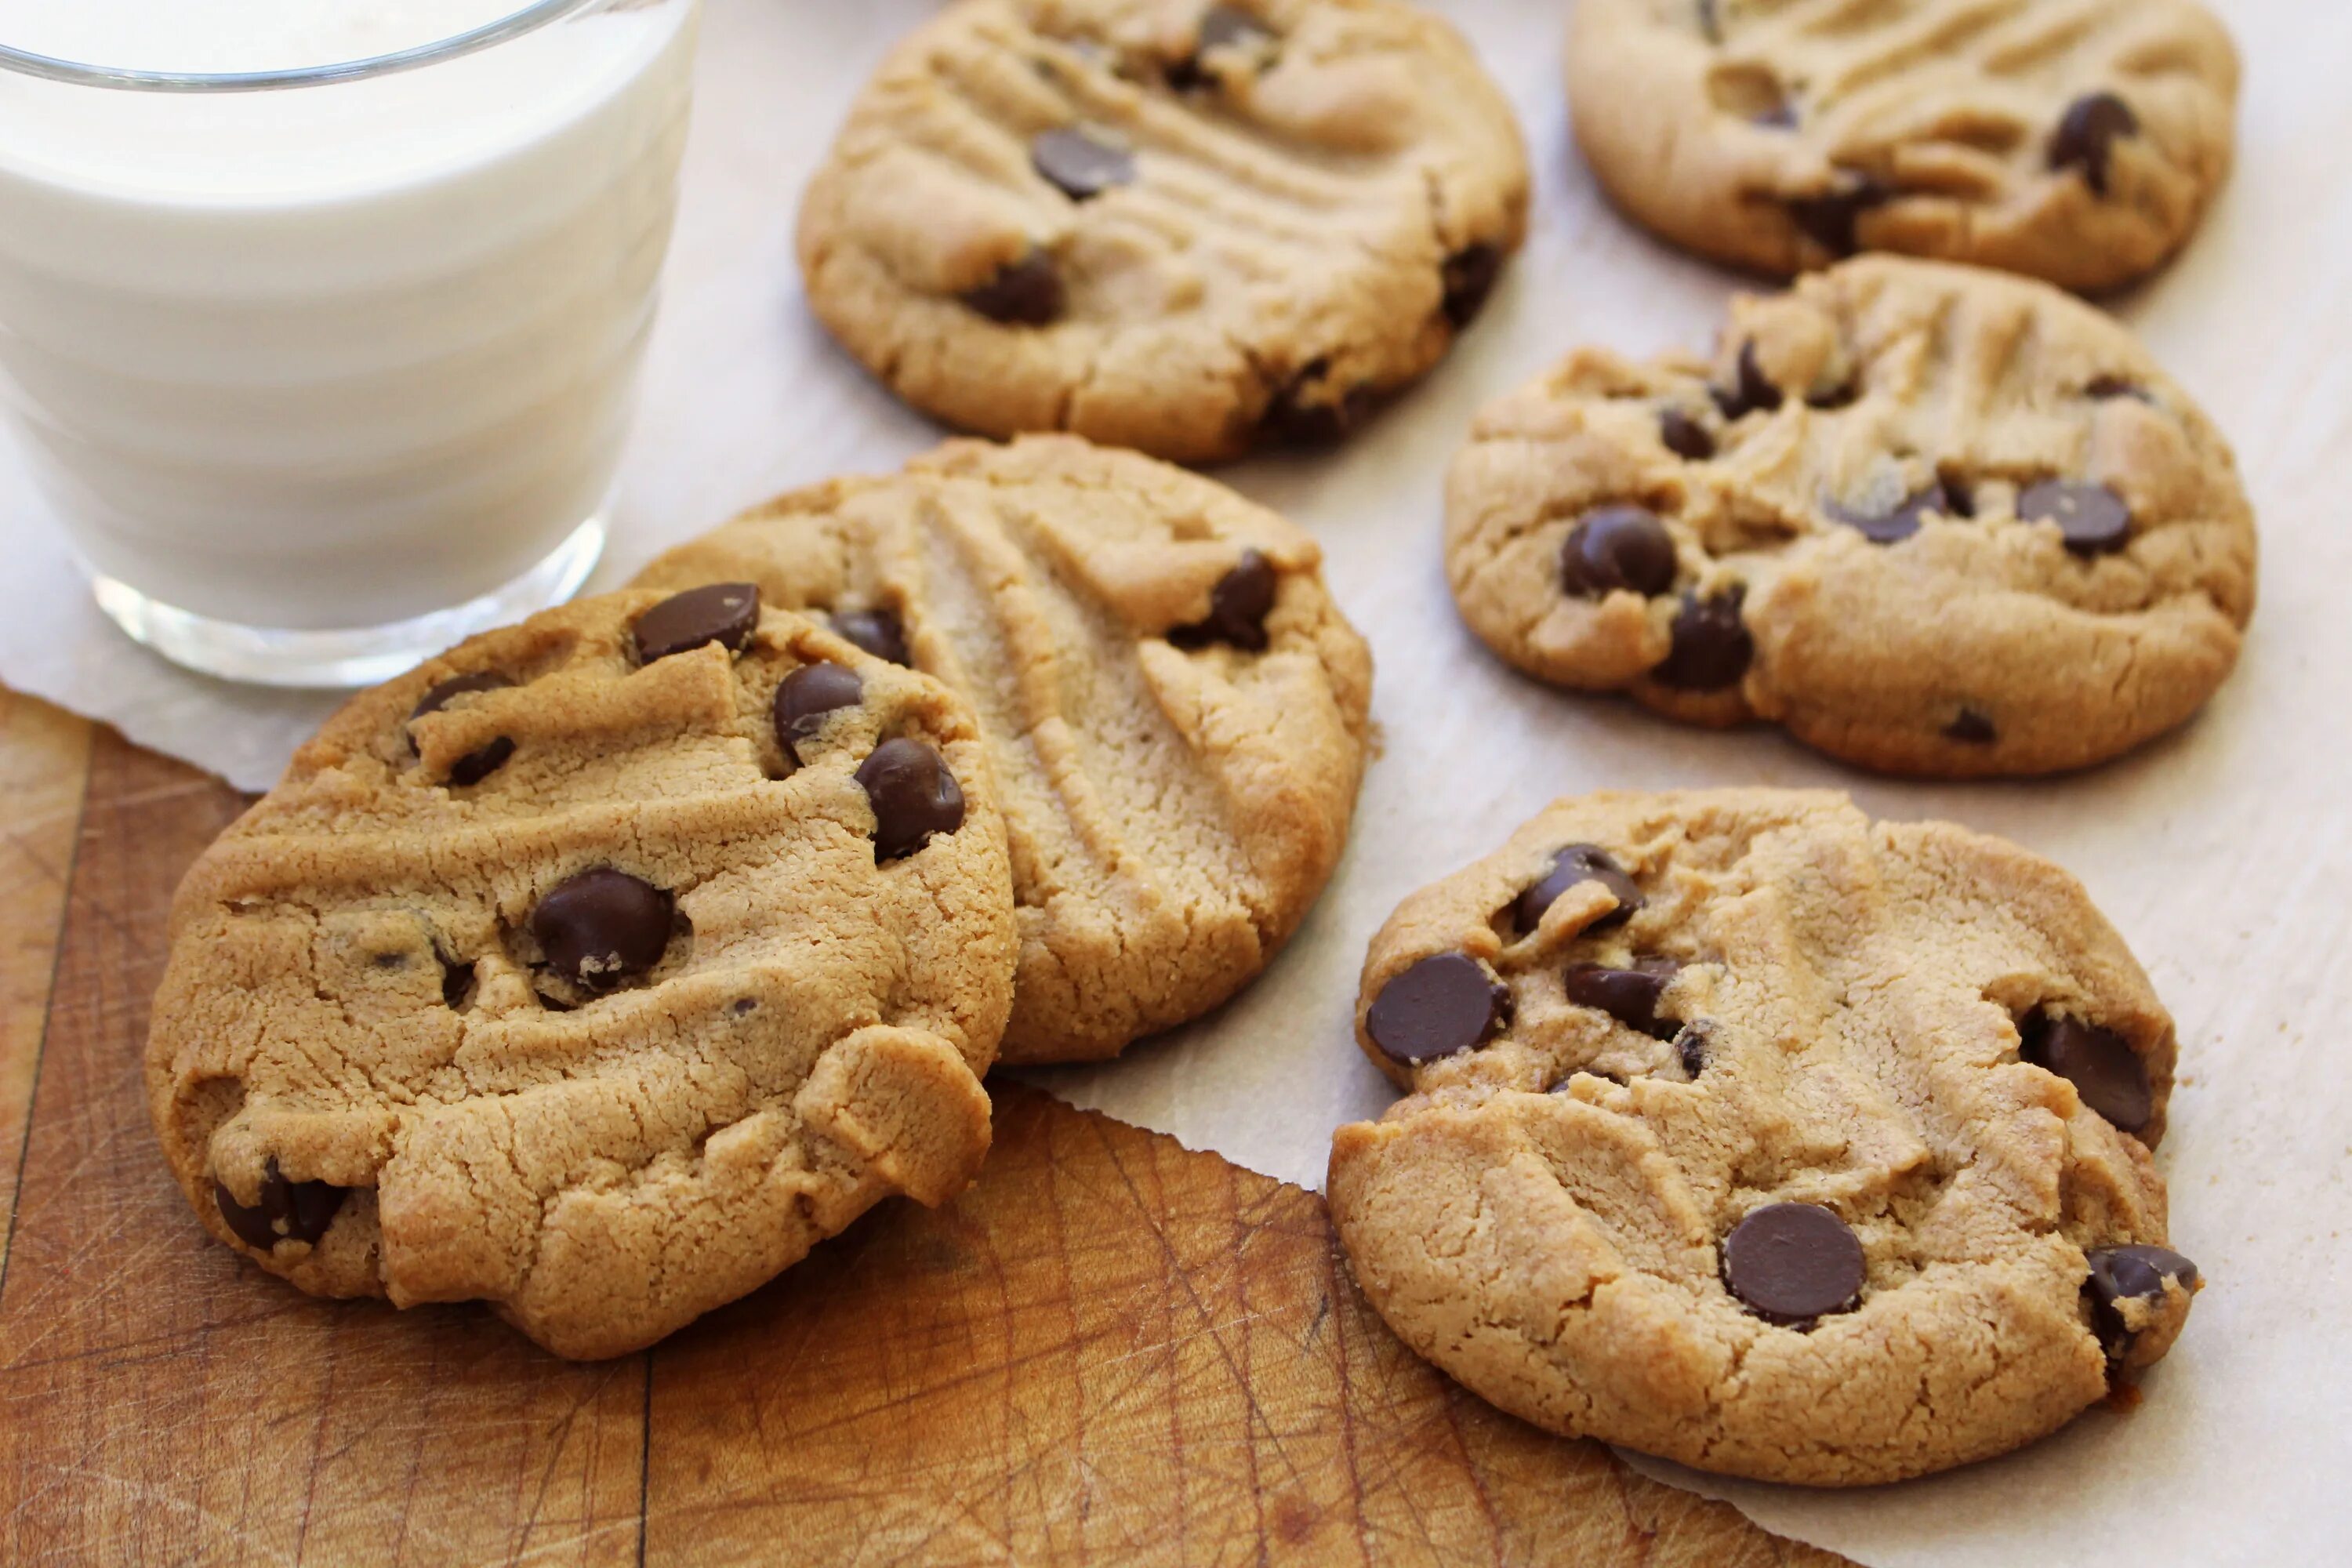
1933,519
2078,141
552,975
1748,1132
1165,225
1174,707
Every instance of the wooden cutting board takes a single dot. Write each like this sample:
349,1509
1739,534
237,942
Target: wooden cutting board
1111,1350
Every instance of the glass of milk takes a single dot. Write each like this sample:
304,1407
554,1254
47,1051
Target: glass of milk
320,320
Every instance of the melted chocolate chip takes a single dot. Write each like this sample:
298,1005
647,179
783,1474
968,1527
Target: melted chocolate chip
1078,167
1442,1006
723,612
1693,1045
913,795
1685,437
1792,1263
880,632
1971,728
456,981
2086,135
602,928
1024,293
1577,863
1304,412
1222,28
2106,1073
1829,399
2134,1272
1237,607
1712,648
1754,392
1469,278
479,765
450,690
281,1211
1900,523
1828,219
2094,519
1629,995
807,697
1617,549
2104,387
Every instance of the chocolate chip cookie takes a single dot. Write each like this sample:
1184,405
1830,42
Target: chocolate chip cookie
1167,225
2077,141
595,970
1748,1132
1173,708
1933,519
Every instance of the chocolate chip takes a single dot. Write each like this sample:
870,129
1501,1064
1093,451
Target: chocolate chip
1693,1045
2134,1272
1445,1004
602,927
1971,728
1023,293
1629,995
1754,392
1712,648
914,796
1577,863
804,699
1829,399
1792,1263
456,981
1080,167
1222,28
1828,219
1617,548
282,1210
1894,527
1469,276
475,765
1304,413
450,690
880,632
723,612
2106,1073
2087,136
1685,437
2104,387
1237,607
2094,519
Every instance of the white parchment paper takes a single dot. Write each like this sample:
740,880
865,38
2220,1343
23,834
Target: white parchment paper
2223,853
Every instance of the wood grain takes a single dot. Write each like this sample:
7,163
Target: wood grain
44,762
1111,1350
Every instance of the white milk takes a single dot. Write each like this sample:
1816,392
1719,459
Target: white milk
331,357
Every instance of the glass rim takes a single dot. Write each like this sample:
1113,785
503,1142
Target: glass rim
525,19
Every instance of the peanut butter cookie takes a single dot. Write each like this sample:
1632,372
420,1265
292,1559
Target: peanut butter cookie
1935,520
1750,1134
1162,223
1173,708
2078,141
595,970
